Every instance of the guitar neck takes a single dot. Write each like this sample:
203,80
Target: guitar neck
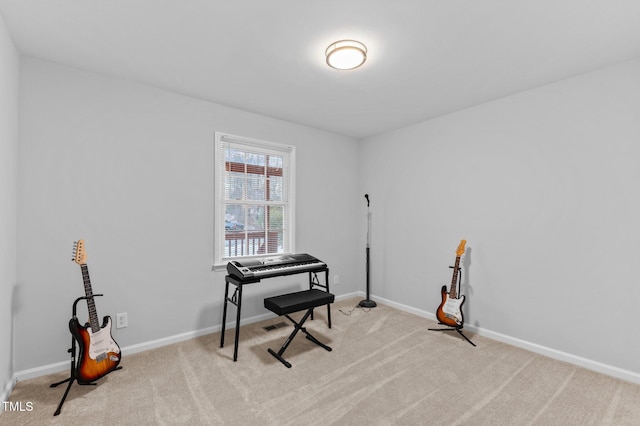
453,289
93,315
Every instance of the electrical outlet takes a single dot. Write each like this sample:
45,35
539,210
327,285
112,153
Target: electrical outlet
121,320
336,279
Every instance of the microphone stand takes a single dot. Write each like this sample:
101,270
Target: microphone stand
368,303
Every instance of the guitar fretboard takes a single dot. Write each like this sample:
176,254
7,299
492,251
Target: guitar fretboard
453,292
93,315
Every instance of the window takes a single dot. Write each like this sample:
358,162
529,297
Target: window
254,189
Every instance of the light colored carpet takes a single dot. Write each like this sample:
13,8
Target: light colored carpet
385,368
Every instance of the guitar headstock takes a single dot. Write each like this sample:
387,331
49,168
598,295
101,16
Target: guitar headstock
79,255
460,250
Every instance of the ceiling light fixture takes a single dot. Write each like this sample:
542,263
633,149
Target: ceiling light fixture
346,54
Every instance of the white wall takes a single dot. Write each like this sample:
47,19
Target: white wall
541,184
544,186
9,66
129,169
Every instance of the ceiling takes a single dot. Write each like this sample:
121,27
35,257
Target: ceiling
426,58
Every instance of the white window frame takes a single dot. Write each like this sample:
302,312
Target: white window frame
221,141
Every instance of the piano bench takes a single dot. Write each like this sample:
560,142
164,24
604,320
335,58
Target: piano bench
286,304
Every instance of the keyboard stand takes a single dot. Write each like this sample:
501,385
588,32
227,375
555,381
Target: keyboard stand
236,299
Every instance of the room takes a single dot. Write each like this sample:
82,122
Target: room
512,127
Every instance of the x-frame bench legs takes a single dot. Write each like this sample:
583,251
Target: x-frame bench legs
298,326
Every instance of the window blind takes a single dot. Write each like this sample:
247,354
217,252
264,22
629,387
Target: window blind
254,198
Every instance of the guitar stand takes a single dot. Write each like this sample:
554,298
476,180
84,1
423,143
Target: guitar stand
72,351
454,329
458,328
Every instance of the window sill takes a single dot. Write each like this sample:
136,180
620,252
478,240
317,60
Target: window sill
218,268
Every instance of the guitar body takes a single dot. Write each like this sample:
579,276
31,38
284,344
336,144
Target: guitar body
99,354
450,310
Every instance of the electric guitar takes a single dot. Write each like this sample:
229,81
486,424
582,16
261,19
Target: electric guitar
450,310
99,354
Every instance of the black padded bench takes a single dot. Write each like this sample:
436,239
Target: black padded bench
286,304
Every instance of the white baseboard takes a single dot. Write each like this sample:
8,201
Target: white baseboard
43,370
405,308
589,364
609,370
145,346
350,295
140,347
4,396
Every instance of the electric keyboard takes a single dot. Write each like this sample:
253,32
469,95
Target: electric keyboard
274,267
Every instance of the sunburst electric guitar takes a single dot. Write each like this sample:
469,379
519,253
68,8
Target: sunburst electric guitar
450,310
99,354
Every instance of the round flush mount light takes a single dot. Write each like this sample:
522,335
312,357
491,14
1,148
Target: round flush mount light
346,54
